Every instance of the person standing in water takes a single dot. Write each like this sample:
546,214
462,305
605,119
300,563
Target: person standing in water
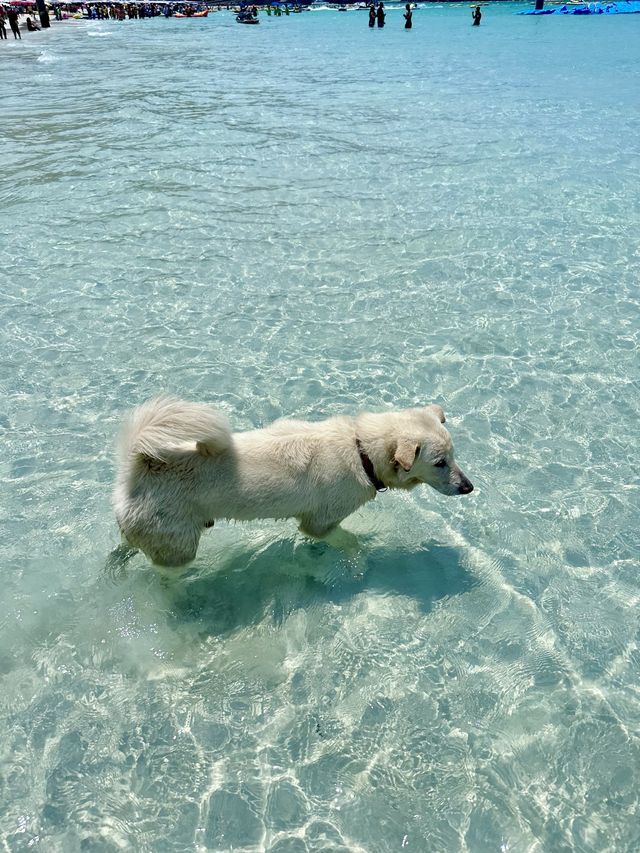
381,15
408,15
372,15
477,16
12,15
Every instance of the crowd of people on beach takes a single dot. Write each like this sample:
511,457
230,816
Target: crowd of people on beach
131,11
122,11
126,11
93,11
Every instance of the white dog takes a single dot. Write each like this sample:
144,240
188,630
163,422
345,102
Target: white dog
181,468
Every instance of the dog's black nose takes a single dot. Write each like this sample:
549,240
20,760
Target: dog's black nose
465,487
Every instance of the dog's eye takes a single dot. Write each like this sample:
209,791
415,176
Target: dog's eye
440,463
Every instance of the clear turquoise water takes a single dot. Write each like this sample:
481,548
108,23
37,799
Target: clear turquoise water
307,218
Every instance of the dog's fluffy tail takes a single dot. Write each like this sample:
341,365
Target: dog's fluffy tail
161,427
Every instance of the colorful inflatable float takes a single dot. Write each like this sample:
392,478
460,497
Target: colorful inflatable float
618,7
202,14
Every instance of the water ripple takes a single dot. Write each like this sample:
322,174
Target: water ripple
313,219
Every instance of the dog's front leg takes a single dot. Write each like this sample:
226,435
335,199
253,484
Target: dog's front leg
345,542
118,558
331,533
315,527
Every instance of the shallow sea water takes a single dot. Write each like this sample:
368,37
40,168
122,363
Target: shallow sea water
308,218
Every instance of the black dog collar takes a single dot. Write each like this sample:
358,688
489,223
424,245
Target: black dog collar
367,464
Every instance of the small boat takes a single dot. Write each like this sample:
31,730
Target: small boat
202,14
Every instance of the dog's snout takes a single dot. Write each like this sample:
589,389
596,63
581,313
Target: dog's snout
465,487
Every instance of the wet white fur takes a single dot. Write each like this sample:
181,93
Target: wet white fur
181,468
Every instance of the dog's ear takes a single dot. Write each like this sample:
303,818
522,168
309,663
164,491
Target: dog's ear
406,453
436,410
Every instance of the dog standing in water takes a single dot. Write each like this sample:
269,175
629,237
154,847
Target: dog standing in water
181,468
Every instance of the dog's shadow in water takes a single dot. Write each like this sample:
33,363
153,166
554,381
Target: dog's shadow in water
283,577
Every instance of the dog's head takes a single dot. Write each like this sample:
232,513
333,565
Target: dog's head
423,453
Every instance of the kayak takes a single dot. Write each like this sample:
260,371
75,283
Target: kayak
195,14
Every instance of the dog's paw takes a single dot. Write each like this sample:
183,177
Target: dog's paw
117,560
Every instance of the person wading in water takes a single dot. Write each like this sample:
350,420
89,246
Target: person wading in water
12,15
372,15
408,15
477,16
380,14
